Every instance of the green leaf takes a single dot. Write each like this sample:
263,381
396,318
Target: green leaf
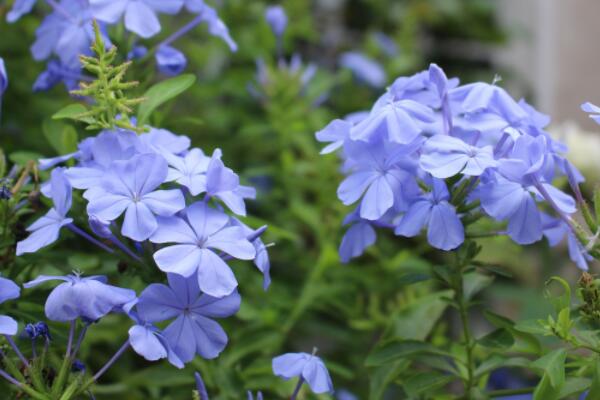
498,339
595,387
424,382
553,365
62,137
417,319
475,282
161,93
72,111
573,386
531,326
398,350
382,376
544,390
496,361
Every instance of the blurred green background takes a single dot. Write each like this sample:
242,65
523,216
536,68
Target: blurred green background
269,140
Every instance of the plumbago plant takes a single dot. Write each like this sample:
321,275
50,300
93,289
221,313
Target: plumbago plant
463,163
168,211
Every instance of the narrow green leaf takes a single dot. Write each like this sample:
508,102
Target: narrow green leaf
595,387
72,111
418,319
383,376
425,382
62,137
544,390
553,365
497,339
474,282
398,350
161,93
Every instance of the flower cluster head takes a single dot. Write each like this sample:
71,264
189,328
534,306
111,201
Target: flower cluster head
308,367
434,155
67,32
153,187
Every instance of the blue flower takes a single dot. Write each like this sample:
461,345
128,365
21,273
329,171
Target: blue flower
216,26
130,188
19,8
378,170
400,121
199,232
8,291
308,366
445,156
82,297
56,73
593,109
3,78
45,230
200,386
555,230
277,19
444,228
224,184
193,331
356,239
170,61
149,342
336,132
365,69
189,170
140,15
67,33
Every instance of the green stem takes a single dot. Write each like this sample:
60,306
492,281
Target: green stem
464,318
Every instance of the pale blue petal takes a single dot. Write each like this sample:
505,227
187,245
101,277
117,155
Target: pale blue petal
215,278
445,231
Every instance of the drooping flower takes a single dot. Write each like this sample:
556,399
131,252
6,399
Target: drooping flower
198,233
130,188
56,73
149,342
3,78
555,231
224,184
45,230
200,386
444,228
336,132
8,291
356,239
170,61
365,69
193,331
89,297
216,26
593,109
277,19
19,8
308,366
140,15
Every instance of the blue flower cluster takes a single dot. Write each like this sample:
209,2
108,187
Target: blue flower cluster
432,154
67,32
153,188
